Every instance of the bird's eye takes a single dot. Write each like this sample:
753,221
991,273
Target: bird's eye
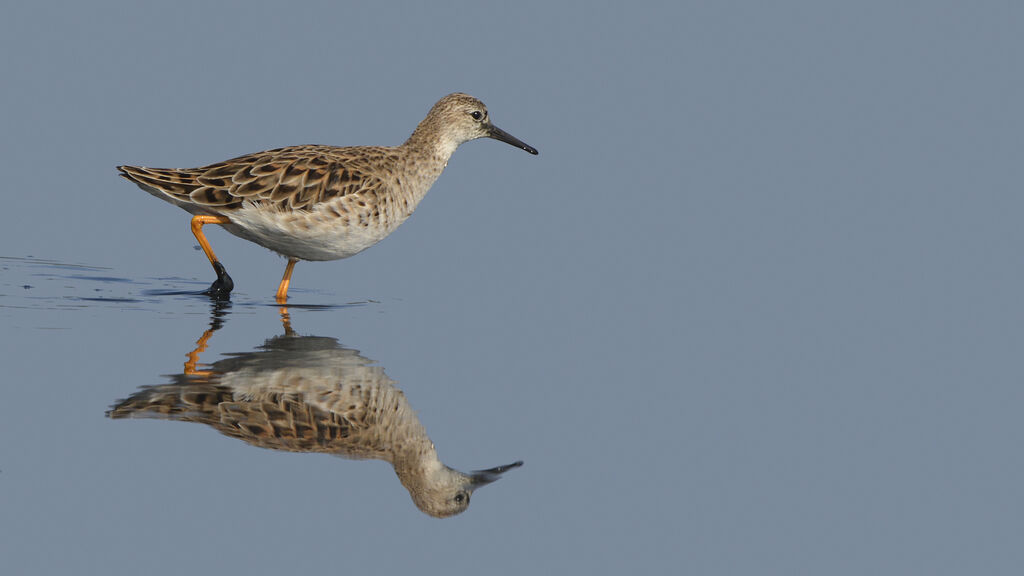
461,497
476,114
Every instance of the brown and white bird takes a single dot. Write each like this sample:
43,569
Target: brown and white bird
320,202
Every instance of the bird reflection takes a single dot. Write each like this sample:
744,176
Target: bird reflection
309,394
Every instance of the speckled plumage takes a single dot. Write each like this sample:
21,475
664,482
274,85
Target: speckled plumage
307,394
318,202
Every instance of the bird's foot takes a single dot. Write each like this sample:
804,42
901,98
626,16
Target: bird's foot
222,286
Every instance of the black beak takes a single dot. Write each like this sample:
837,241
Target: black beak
499,134
484,477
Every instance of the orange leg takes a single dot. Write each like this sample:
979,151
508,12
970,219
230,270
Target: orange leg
197,230
221,288
282,290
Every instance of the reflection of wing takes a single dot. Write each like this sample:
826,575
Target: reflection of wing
288,178
278,423
315,397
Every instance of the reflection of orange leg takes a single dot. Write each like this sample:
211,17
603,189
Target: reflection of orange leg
223,285
282,290
193,356
286,320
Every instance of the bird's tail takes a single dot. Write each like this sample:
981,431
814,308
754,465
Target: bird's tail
174,185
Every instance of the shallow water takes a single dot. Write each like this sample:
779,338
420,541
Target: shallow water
616,438
88,338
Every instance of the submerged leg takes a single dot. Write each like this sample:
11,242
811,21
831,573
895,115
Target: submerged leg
222,286
282,290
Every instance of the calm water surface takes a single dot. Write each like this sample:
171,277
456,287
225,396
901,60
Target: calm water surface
653,453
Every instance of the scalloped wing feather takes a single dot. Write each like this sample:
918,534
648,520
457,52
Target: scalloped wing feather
293,178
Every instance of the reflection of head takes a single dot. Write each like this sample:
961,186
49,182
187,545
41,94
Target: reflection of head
443,491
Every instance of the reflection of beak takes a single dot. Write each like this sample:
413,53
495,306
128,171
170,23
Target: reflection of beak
499,134
484,477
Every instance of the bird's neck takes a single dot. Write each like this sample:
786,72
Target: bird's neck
423,159
431,143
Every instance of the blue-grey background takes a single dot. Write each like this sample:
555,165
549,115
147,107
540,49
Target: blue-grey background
755,308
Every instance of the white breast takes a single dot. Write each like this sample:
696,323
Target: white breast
320,234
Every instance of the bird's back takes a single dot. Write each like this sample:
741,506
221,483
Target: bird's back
291,178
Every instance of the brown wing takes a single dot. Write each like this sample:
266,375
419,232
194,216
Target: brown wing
290,178
282,425
275,421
